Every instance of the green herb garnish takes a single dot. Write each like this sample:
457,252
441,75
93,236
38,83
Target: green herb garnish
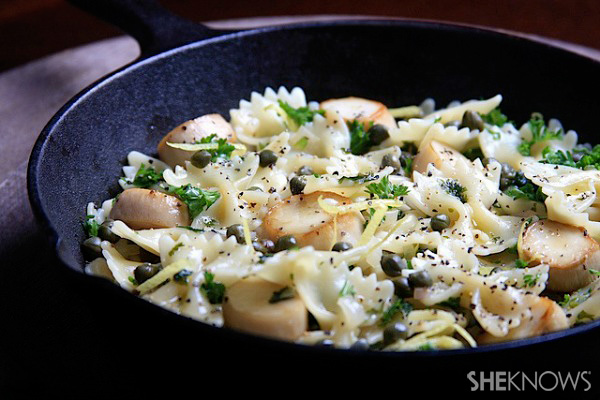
359,179
586,157
386,190
530,280
452,302
400,305
495,117
215,291
300,115
90,225
473,153
175,248
283,294
521,263
347,290
223,150
452,187
360,142
195,198
539,133
146,177
527,191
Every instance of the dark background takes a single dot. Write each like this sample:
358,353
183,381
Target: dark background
30,29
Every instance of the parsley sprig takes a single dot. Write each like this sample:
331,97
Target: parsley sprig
300,115
495,117
91,226
386,190
527,191
452,187
400,305
146,177
215,291
580,157
539,133
360,140
195,198
223,150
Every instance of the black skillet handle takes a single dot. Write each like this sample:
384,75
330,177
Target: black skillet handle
155,29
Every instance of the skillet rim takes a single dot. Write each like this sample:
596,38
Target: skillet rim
36,157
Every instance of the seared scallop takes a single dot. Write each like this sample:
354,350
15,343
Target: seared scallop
252,305
568,250
190,132
146,209
302,217
363,110
547,316
435,153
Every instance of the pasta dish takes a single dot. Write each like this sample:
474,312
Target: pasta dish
346,223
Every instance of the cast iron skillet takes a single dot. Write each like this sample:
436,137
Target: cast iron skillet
187,70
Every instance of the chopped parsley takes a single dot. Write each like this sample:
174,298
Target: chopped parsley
195,198
586,158
283,294
360,141
452,302
359,179
215,291
452,187
133,281
386,190
189,228
90,225
521,263
539,133
223,150
300,115
175,248
473,153
182,276
146,177
400,305
594,272
406,163
576,298
527,191
427,346
583,316
302,143
495,117
530,280
347,290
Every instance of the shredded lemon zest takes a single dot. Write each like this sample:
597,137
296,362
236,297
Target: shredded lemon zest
163,275
466,335
382,242
361,205
335,232
247,235
406,112
372,226
239,148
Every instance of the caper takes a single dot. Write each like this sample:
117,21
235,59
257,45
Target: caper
91,248
393,333
145,271
393,264
105,232
420,279
439,222
267,157
297,184
360,345
341,246
264,246
472,120
402,288
378,134
201,159
237,230
508,171
391,160
285,243
305,170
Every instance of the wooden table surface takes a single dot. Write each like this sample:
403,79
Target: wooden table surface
29,96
